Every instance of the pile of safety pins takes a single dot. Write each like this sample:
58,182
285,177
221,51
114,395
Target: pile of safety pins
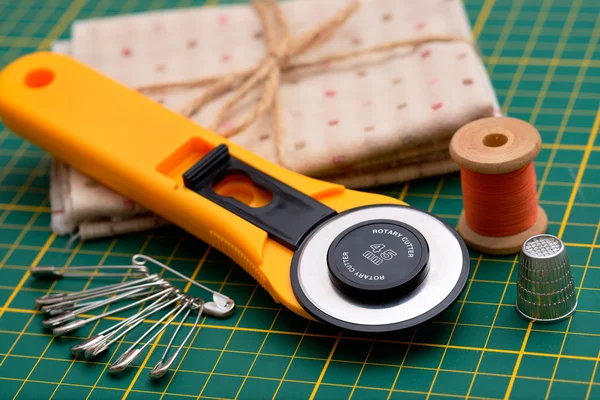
63,309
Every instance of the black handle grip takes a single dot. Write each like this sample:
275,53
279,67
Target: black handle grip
288,218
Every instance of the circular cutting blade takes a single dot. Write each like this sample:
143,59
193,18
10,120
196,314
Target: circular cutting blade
316,282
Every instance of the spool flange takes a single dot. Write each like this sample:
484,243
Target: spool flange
497,145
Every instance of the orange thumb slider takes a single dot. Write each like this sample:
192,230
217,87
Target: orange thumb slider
499,184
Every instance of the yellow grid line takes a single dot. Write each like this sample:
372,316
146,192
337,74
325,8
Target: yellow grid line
302,336
594,359
157,340
540,17
541,61
482,18
299,381
41,356
324,370
119,343
566,333
436,195
362,368
582,167
412,338
454,324
424,344
506,284
537,27
269,331
235,328
578,82
193,338
587,396
26,276
259,330
506,29
518,363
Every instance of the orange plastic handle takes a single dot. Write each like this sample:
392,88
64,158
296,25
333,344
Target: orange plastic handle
140,149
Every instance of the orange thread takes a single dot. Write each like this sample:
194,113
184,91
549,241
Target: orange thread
500,205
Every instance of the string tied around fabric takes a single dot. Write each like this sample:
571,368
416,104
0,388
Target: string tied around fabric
282,50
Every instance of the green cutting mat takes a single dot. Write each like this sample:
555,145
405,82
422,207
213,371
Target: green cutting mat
545,64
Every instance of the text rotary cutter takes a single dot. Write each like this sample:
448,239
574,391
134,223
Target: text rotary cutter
359,261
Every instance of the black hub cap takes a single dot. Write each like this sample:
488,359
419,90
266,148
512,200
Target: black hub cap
378,260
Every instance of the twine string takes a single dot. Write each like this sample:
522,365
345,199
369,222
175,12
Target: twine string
282,49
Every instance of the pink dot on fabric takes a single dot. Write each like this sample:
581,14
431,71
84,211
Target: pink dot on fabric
420,26
223,19
264,137
425,54
338,160
367,102
433,81
226,58
461,56
128,204
228,125
333,122
369,128
126,51
330,93
437,106
467,81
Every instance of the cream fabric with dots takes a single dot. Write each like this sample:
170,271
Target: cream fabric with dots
373,120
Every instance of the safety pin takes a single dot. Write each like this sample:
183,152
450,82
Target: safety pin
221,306
72,272
58,297
131,353
93,340
75,306
66,305
103,345
161,368
68,316
78,323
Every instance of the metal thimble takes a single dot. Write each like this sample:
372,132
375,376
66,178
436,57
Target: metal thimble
545,285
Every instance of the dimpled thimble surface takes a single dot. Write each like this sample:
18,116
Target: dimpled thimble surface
545,286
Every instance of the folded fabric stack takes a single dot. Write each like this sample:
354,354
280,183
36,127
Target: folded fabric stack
373,118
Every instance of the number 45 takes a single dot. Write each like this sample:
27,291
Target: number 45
386,255
377,247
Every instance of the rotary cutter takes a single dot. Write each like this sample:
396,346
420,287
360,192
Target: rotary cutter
359,261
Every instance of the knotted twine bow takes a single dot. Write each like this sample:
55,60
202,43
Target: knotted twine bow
282,49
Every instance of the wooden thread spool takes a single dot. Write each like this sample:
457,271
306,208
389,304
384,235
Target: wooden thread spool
499,186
